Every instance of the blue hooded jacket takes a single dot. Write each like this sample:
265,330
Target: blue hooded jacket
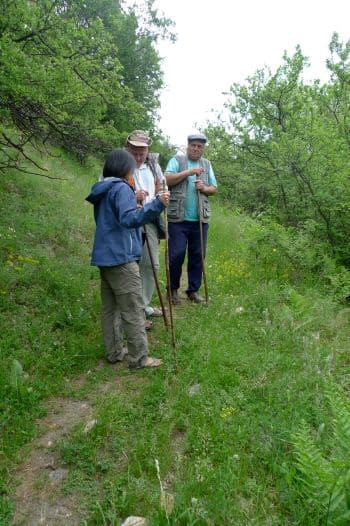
118,237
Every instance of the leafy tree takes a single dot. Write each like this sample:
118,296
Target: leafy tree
164,148
287,144
135,41
65,76
339,66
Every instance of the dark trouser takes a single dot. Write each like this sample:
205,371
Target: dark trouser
182,236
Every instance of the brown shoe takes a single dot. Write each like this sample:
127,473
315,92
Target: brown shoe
175,300
194,296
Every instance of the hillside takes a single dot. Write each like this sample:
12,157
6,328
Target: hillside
80,439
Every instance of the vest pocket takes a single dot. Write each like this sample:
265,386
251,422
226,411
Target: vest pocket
206,210
175,208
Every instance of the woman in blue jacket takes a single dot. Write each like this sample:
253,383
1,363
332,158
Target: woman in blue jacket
117,251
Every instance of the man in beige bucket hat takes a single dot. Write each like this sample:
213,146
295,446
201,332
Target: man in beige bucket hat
148,177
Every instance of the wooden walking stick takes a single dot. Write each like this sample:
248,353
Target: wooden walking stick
156,278
199,202
168,278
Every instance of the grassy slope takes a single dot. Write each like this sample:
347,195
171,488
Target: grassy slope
47,298
259,355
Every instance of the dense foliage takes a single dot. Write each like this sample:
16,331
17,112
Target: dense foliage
285,151
80,73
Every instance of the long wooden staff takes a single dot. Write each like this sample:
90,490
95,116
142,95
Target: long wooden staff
156,278
199,201
168,278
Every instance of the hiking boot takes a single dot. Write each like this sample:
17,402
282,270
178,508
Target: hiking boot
175,300
194,296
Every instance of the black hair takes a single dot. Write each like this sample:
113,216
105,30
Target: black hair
118,164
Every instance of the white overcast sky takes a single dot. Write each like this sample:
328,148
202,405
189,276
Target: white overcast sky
221,42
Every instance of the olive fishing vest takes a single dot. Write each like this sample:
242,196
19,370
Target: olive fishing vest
176,208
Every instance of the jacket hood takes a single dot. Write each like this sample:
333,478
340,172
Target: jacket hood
100,189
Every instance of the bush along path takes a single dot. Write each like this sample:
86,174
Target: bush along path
229,437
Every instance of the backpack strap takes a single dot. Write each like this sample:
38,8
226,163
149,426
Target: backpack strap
152,163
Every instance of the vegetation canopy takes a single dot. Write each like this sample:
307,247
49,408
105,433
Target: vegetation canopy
284,152
79,74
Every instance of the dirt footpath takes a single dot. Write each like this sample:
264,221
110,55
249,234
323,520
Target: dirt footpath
38,499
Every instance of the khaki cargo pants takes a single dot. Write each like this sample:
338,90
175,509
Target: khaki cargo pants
123,313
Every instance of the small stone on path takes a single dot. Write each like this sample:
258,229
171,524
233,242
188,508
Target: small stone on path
193,389
135,521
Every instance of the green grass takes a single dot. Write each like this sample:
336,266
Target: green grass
261,354
49,314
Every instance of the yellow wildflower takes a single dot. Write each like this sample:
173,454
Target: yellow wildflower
226,412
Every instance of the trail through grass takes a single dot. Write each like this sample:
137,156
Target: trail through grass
251,366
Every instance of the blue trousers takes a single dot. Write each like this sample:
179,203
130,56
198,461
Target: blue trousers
186,236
